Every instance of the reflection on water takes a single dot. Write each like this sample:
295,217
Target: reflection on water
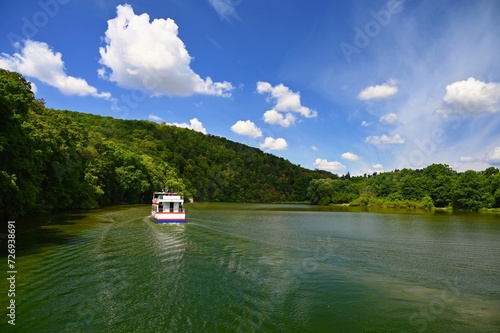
260,268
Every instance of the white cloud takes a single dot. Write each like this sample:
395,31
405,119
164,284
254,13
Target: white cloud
323,164
390,118
274,144
494,156
34,88
471,96
384,139
224,8
38,60
285,101
154,117
467,159
149,56
350,156
378,168
194,124
365,123
314,148
276,118
247,128
381,91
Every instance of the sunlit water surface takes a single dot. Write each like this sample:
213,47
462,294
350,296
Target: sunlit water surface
258,268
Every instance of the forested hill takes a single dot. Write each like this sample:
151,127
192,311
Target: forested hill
53,160
211,168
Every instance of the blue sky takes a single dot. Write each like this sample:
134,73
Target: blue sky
345,86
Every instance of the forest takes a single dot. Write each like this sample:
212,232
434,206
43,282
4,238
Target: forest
436,186
58,160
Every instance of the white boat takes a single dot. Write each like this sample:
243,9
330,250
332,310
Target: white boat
168,207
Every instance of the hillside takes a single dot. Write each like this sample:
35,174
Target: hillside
54,160
213,168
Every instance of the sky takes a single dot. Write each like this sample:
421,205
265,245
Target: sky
344,86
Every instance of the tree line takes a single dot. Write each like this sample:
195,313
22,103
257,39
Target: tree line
437,185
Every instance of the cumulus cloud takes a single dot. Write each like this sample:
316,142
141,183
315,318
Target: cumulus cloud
285,101
378,168
324,164
365,123
471,96
274,144
390,118
247,128
381,91
385,139
276,118
38,60
225,9
194,124
314,148
350,156
494,156
154,117
149,56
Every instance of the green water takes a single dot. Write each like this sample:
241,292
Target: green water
258,268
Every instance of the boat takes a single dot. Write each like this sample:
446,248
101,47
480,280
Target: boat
167,207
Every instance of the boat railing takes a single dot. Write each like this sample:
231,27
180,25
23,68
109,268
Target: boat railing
157,198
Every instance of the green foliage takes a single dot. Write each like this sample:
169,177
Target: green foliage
474,191
332,191
439,180
435,186
15,96
21,167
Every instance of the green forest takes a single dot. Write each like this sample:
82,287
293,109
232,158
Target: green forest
436,186
58,160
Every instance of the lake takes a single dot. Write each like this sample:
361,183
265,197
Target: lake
258,268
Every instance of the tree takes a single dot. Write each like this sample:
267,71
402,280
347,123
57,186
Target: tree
326,191
20,171
439,180
468,192
410,185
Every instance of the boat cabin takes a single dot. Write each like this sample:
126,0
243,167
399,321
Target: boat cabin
168,202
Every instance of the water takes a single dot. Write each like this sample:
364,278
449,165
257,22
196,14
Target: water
258,268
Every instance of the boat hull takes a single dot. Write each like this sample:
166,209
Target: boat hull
169,217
